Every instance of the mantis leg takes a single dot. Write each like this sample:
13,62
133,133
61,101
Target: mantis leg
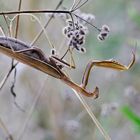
61,62
72,62
106,64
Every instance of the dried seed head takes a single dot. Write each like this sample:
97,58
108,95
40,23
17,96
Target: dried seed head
64,31
103,33
100,37
105,28
82,50
69,34
82,32
70,23
75,32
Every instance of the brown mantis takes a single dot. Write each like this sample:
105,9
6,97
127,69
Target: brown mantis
34,57
53,65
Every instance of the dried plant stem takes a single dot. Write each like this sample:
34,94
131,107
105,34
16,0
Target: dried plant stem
35,12
2,31
17,22
7,76
79,5
25,124
5,130
94,119
35,17
41,31
73,5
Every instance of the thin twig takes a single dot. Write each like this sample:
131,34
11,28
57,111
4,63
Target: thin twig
25,124
65,53
39,22
76,4
73,5
41,31
79,6
5,130
94,119
17,22
7,25
7,76
35,12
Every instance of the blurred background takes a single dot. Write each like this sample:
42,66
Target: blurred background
58,114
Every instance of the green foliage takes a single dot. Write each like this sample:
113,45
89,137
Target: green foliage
132,116
134,15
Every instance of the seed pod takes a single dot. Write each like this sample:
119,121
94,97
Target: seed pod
105,28
100,37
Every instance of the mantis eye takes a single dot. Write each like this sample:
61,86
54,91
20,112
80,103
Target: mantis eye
53,51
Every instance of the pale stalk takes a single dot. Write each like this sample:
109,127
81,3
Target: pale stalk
94,119
31,110
36,18
5,130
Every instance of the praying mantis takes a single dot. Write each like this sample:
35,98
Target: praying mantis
52,65
35,58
